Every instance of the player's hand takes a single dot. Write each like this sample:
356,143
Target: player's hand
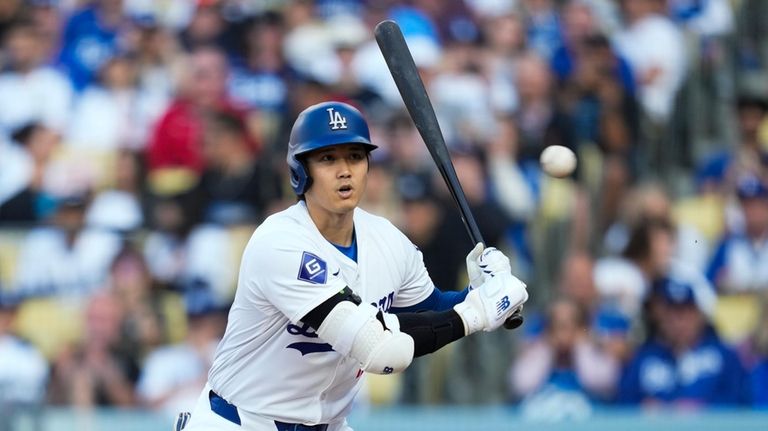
482,262
474,273
488,306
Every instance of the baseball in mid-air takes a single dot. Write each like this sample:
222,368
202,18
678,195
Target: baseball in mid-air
558,161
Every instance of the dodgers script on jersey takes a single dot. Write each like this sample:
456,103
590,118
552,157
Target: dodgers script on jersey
287,270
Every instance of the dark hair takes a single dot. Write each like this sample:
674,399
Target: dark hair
23,133
639,245
750,101
582,314
228,122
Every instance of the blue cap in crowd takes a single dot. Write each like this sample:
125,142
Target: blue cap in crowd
751,187
199,300
683,285
9,300
674,291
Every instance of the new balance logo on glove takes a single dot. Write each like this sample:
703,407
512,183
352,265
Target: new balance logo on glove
502,305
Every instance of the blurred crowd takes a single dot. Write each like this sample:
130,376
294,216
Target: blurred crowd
141,142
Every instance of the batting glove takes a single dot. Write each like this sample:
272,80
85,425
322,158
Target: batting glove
483,262
488,306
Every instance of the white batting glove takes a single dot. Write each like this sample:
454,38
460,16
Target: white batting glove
482,262
488,306
474,273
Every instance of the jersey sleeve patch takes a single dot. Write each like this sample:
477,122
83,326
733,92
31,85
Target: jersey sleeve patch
313,269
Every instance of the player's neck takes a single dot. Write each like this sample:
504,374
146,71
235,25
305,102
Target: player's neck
336,228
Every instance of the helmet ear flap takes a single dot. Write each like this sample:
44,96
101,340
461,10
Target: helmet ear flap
300,179
307,178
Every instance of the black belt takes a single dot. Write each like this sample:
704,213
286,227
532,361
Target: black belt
228,411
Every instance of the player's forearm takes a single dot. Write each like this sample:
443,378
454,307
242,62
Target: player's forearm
431,330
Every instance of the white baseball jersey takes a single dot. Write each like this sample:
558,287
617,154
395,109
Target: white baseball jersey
271,365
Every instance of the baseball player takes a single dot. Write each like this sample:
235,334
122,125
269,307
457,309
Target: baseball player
328,292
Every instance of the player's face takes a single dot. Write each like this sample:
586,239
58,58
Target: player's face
339,176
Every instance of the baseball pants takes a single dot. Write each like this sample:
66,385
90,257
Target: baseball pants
209,415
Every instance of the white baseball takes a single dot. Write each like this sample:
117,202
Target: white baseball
558,161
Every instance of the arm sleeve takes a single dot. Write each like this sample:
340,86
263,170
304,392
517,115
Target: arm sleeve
436,301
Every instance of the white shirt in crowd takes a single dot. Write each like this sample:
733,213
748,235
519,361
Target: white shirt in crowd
23,372
176,373
44,95
47,265
205,256
654,44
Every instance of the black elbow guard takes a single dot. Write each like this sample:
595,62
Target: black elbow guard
431,330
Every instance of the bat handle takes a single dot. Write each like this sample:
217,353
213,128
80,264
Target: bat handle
514,321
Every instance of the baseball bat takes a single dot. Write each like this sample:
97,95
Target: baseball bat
403,70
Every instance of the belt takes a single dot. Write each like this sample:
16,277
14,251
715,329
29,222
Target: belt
282,426
228,411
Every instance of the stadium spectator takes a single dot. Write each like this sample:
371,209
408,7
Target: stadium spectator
236,187
178,136
707,18
610,326
111,113
580,30
737,264
48,17
623,282
10,11
566,364
98,371
32,91
513,185
660,70
23,167
145,323
120,207
155,53
461,94
543,26
68,258
23,369
538,118
206,26
683,363
173,375
184,254
504,35
260,74
91,38
720,170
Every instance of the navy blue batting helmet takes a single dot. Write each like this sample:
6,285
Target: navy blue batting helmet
323,125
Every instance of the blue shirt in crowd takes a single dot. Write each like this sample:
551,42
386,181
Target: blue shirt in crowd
709,373
86,45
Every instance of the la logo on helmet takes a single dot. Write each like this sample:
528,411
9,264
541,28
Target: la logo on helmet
336,120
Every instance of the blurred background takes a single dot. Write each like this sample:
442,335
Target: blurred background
142,141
